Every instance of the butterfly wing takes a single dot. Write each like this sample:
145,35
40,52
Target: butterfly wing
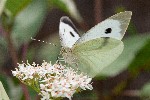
67,32
101,45
114,27
92,56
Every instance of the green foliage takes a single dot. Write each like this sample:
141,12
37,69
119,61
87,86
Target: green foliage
12,8
145,92
3,94
132,29
32,93
2,4
49,52
142,59
16,6
59,4
67,6
120,9
3,50
31,54
15,91
89,95
28,22
3,43
3,79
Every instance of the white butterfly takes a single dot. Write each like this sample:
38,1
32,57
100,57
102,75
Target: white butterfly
98,47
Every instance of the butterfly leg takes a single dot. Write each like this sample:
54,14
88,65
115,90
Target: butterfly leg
60,59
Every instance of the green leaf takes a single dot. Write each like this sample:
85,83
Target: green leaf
73,11
15,6
3,94
28,22
59,4
142,60
5,83
15,91
49,52
32,93
132,45
145,92
68,6
2,4
86,95
3,50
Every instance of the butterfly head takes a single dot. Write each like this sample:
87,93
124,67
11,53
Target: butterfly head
67,32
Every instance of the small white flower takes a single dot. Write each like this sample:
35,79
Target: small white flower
45,95
53,80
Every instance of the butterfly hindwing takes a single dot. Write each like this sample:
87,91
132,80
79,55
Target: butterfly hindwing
94,55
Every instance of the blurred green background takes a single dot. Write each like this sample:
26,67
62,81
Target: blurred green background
128,78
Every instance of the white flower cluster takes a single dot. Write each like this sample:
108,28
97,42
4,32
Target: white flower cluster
52,81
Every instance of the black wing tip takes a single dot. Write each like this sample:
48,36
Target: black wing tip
65,19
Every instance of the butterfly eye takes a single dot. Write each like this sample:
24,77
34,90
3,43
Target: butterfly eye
72,34
108,30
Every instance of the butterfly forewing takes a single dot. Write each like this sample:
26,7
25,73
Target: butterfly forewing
114,27
67,32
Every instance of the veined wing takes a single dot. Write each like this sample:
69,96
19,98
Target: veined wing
114,27
92,56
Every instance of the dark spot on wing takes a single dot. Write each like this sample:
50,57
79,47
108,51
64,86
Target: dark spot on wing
105,42
66,20
108,30
72,34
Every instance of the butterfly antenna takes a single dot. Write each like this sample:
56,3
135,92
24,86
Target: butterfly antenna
42,41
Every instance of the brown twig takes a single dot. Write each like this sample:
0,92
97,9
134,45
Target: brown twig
25,91
98,11
131,93
24,87
11,49
24,52
37,97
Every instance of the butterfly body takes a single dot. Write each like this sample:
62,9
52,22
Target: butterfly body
68,55
97,48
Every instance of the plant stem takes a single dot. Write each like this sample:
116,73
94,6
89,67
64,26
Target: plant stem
98,11
24,51
11,49
24,87
25,91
